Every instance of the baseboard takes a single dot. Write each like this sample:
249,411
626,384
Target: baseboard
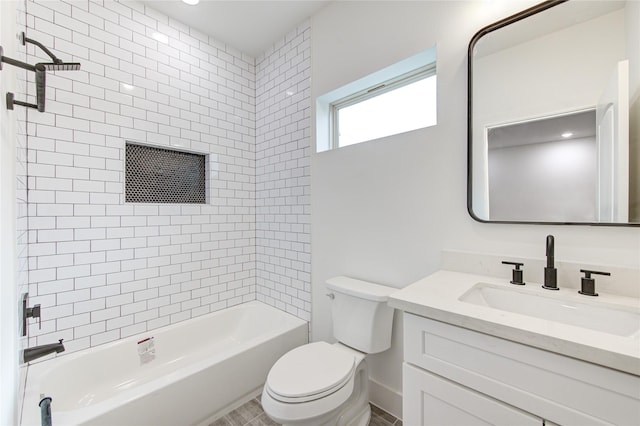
386,398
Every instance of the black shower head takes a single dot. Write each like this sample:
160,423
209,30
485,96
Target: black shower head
61,66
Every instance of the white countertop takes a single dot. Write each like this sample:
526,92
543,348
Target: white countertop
437,297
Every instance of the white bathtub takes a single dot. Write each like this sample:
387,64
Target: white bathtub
201,368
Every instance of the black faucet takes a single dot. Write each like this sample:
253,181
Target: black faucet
550,272
29,354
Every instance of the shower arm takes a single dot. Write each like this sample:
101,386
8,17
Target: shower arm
24,39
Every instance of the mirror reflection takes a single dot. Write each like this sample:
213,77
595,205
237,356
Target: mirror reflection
554,116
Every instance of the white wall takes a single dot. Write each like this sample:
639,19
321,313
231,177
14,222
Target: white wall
575,82
283,109
551,181
103,269
384,210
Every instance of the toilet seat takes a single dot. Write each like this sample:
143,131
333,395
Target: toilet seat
310,372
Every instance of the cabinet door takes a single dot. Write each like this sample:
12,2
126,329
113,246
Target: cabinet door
433,400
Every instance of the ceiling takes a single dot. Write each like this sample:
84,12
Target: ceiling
581,124
249,26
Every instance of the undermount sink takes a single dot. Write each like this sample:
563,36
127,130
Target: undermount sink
603,317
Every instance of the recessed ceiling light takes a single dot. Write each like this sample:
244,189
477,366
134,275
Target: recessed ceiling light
191,2
567,134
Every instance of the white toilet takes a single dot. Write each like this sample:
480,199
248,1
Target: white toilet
324,384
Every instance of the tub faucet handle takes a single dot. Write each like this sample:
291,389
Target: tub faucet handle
331,296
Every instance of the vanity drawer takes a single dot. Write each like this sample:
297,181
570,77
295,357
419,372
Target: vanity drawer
555,387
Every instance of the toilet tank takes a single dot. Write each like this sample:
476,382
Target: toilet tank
361,317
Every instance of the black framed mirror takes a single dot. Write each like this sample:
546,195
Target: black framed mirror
554,116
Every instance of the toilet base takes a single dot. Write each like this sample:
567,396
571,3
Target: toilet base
355,411
360,419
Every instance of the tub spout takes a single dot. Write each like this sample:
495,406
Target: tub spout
29,354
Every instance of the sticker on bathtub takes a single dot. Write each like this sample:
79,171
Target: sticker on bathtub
146,350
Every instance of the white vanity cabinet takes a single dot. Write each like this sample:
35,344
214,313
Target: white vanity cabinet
430,399
456,376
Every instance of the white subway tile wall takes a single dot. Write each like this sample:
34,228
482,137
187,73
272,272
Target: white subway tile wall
22,209
283,144
103,269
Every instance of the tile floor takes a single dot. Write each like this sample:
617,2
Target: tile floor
251,414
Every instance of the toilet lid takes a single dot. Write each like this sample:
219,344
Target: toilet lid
310,370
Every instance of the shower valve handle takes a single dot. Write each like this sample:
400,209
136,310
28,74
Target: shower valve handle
35,312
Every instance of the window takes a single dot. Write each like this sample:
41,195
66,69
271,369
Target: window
396,106
396,99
